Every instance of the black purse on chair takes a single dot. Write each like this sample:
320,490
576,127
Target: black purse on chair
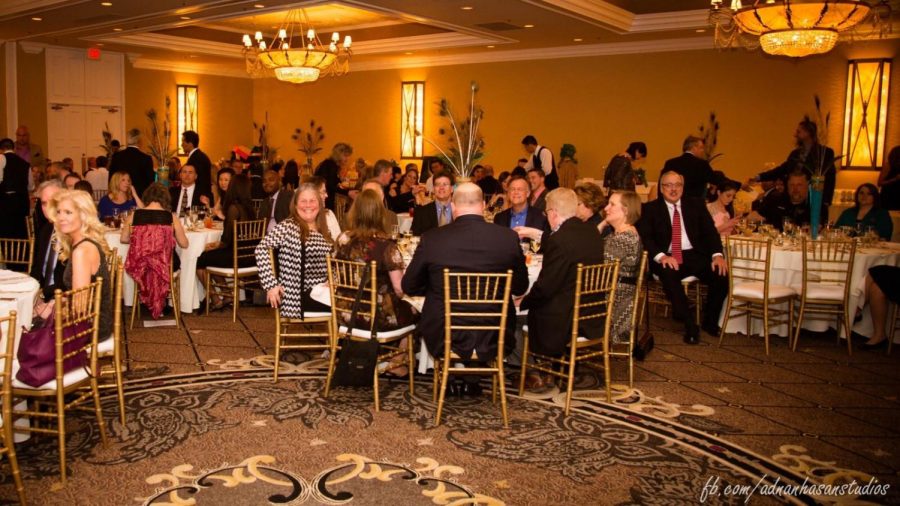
358,358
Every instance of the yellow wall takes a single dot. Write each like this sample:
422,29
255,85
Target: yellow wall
32,89
3,127
599,104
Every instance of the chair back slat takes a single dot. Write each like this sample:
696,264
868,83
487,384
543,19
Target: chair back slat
247,235
828,261
344,277
341,207
99,194
475,295
29,226
73,307
595,287
748,259
256,204
17,252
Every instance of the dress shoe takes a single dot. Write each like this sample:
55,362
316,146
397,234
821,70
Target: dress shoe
454,389
875,346
711,329
533,381
692,334
471,389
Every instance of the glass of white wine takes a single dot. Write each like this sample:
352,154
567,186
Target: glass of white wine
535,245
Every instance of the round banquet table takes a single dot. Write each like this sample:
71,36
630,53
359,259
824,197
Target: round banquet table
787,269
17,293
191,290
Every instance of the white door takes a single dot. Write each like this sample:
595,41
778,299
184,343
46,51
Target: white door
96,121
66,132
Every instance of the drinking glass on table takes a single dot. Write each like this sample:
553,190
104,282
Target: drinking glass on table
535,245
395,232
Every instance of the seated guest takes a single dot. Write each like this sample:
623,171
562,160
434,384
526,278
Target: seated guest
550,301
70,180
867,213
681,239
500,200
766,206
277,204
590,203
528,222
437,213
334,227
624,245
189,194
723,219
301,249
390,217
536,179
238,207
83,248
496,250
882,286
153,232
795,205
223,179
620,170
489,185
291,177
120,198
99,177
401,196
46,267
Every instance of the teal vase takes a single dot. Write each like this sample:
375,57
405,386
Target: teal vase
816,190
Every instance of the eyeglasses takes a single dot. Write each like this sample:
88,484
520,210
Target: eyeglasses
669,186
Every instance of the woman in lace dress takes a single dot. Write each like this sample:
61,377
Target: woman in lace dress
623,244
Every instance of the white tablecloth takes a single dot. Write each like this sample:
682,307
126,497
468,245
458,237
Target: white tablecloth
17,293
787,269
190,287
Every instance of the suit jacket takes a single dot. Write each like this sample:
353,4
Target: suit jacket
203,166
533,219
696,171
655,227
454,246
551,300
42,242
424,218
808,162
137,164
175,194
282,207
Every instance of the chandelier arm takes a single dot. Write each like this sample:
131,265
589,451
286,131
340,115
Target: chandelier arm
822,14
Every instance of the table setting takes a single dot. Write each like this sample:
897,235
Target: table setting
17,293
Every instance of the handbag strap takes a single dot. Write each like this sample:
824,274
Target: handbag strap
354,309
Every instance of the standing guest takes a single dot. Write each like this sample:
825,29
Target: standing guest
223,179
723,218
681,239
136,163
520,214
383,172
15,179
82,246
437,213
69,165
84,186
28,151
590,203
620,170
190,144
330,171
99,177
333,226
301,250
56,170
291,178
500,200
496,250
867,213
541,158
276,207
238,207
624,245
889,180
401,194
46,267
810,157
693,166
70,179
551,299
189,194
766,206
538,189
121,197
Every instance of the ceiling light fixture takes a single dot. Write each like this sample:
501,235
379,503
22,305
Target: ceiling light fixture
259,6
185,18
37,19
577,40
491,47
529,26
117,29
467,8
106,4
295,58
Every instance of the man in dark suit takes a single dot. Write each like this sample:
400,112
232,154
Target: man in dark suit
277,204
520,214
692,164
469,244
136,163
551,300
190,144
794,203
437,213
681,240
189,192
46,268
15,176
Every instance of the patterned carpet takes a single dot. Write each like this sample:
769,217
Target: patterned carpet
702,423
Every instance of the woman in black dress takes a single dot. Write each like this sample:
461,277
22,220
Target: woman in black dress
882,286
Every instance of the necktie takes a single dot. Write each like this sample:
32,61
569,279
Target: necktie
272,214
184,202
676,237
443,219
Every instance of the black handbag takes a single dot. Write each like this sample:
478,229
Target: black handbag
357,358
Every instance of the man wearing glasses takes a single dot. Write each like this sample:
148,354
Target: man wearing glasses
681,240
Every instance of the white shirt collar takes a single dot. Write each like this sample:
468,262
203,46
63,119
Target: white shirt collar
192,152
670,205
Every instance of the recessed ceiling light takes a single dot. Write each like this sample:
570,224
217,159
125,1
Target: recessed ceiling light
408,52
185,18
490,47
700,30
106,4
259,6
467,8
529,26
99,44
37,19
577,40
117,29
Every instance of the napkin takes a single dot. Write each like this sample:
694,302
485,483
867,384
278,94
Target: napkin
16,282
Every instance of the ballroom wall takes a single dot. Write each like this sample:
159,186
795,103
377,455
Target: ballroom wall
32,91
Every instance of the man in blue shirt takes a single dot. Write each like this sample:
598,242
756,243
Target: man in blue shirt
520,214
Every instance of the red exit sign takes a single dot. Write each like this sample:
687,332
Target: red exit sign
93,53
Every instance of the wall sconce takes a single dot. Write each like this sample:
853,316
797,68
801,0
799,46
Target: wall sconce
186,110
865,114
412,120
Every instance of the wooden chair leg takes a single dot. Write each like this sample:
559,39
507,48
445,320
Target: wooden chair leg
208,293
445,373
725,321
174,286
120,388
766,327
434,380
607,376
332,354
849,331
375,385
13,461
135,306
235,301
501,380
61,433
277,345
570,381
524,369
893,320
799,325
411,348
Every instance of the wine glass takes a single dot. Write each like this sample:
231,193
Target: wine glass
395,232
535,245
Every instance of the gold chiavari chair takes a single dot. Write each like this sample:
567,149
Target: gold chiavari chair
304,330
99,194
29,226
8,446
657,296
637,309
344,278
111,349
17,252
595,294
174,288
256,203
473,301
750,294
341,209
247,235
72,308
825,290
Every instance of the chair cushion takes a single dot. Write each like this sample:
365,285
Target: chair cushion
689,279
72,377
754,290
310,314
820,291
107,345
365,334
225,271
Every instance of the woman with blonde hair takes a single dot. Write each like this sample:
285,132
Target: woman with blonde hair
624,244
120,198
82,246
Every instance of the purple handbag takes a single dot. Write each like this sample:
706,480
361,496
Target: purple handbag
37,352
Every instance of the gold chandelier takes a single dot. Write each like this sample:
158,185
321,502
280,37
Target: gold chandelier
794,28
293,58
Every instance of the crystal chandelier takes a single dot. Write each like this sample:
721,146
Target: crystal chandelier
293,58
793,28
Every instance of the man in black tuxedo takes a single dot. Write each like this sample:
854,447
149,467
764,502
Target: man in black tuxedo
520,214
277,204
189,192
438,212
551,299
692,164
468,244
679,236
46,268
136,163
190,144
15,178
